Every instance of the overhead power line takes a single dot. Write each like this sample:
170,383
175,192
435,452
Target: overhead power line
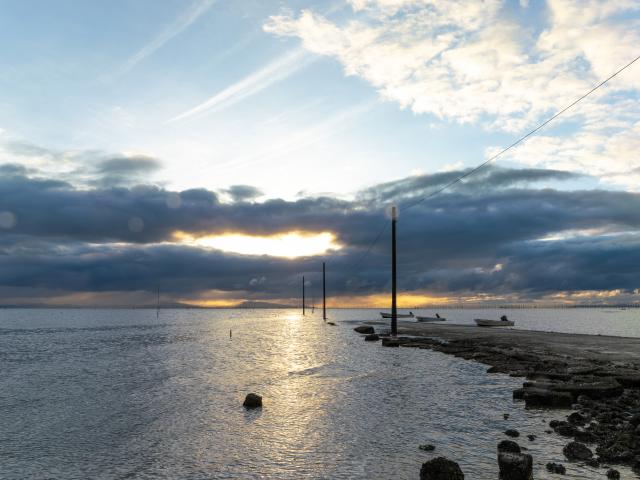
479,167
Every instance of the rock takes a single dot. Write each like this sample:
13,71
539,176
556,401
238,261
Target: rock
584,437
252,401
593,462
427,447
596,390
518,394
635,419
441,468
372,337
331,323
556,468
565,429
539,397
508,446
515,466
576,418
629,381
390,342
364,329
613,474
531,437
512,433
505,416
577,451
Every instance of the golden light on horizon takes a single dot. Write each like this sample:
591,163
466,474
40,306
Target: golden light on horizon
287,245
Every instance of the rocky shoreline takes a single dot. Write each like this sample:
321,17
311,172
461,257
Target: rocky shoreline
594,386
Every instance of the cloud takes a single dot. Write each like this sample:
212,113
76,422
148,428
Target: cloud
483,63
124,170
181,23
64,240
275,71
243,193
82,168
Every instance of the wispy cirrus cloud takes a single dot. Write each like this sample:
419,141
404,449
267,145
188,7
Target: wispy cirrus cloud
275,71
188,17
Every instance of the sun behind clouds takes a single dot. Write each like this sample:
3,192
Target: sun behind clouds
287,245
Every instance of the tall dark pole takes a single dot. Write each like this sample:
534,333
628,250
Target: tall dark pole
303,295
324,293
394,309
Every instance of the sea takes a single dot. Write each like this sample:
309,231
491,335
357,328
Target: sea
132,394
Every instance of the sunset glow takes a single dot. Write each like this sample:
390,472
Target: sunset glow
287,245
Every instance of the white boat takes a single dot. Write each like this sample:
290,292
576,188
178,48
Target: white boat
482,322
430,319
399,315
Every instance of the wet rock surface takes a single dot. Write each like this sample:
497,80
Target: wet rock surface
598,396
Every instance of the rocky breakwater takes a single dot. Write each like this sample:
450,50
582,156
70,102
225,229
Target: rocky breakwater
599,397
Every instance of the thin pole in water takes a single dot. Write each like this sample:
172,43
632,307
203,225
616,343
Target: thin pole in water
158,305
303,295
324,293
394,309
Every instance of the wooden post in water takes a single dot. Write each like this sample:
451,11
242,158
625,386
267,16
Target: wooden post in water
394,309
324,294
303,295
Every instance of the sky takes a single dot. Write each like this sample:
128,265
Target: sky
219,150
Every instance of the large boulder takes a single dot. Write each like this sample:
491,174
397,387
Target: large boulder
508,446
577,451
252,400
515,466
441,468
366,329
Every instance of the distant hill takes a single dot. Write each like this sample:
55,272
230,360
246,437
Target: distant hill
250,304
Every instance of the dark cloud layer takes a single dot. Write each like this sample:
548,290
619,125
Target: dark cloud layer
494,234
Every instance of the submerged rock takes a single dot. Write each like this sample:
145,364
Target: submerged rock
556,468
427,447
372,337
515,466
367,329
512,433
613,474
531,437
441,468
252,400
577,451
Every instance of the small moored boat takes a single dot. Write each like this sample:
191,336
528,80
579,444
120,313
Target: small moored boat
503,322
399,315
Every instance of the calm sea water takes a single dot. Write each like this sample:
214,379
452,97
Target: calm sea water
115,394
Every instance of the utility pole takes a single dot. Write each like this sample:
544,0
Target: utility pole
394,308
303,295
324,294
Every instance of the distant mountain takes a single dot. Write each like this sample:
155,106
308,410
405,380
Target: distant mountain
250,304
